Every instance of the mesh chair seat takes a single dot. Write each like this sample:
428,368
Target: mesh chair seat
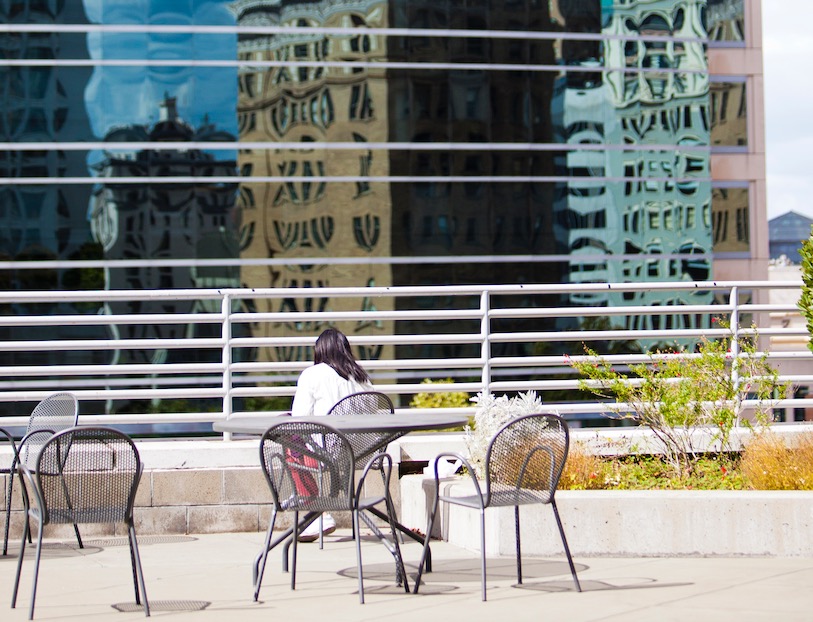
82,475
501,499
56,412
311,467
523,464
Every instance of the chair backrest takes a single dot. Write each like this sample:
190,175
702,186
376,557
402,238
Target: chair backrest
308,466
87,475
525,459
56,412
365,444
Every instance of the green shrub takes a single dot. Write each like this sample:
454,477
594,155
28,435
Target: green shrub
442,399
676,393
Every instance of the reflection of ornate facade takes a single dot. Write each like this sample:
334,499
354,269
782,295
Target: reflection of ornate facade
143,221
728,111
307,104
661,102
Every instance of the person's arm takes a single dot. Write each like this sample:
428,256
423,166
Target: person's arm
304,398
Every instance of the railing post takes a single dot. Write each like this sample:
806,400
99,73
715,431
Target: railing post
734,327
485,340
226,332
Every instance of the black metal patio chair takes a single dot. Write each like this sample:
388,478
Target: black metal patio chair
82,475
523,464
56,412
310,468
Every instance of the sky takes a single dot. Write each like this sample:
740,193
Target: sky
118,96
787,54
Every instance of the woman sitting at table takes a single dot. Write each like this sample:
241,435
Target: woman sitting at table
334,374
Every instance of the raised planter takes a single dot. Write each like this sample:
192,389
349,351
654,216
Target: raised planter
653,523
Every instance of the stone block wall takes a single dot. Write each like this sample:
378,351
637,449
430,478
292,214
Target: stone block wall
189,501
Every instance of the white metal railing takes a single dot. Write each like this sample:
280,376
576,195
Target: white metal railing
489,338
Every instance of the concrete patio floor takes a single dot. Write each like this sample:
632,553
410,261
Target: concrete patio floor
208,577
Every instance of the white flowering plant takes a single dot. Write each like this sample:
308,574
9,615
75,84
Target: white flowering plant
492,412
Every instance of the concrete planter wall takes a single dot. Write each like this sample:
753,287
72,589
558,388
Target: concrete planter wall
654,523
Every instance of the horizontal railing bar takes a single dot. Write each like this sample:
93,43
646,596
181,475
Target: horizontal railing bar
111,370
214,145
294,316
307,32
204,317
601,311
447,338
372,365
580,335
111,344
332,260
376,64
388,292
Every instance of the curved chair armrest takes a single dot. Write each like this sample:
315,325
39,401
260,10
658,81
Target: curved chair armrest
472,475
10,440
381,462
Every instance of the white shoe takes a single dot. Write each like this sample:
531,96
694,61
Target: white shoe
311,532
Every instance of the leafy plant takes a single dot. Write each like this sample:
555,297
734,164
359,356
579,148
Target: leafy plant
651,472
806,298
442,399
686,397
492,412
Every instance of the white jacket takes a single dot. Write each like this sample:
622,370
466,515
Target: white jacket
319,387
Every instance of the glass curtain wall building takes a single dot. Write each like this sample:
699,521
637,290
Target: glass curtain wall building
443,142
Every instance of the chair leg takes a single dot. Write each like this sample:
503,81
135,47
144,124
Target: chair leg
139,573
293,552
358,554
9,490
483,552
37,558
400,569
429,525
519,545
567,548
259,563
391,509
133,568
26,528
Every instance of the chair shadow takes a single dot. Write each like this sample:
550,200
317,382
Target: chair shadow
163,605
447,575
57,549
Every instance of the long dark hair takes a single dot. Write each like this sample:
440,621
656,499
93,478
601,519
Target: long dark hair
333,349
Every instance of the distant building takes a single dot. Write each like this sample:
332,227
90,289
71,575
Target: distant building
786,233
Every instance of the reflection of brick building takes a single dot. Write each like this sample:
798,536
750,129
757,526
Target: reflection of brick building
142,220
301,104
